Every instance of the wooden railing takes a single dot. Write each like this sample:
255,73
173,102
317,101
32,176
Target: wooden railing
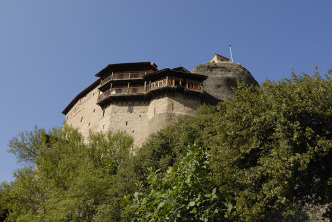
163,83
125,90
125,75
119,91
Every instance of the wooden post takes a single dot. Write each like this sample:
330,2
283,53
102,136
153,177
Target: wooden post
128,88
144,86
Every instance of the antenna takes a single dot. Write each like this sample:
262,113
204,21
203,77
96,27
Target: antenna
230,49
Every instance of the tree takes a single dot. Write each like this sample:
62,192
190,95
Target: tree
73,178
184,193
273,145
270,146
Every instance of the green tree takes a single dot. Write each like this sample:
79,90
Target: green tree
184,193
270,145
72,180
273,145
167,146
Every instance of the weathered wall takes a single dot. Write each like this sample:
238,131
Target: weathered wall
85,114
163,110
118,118
144,118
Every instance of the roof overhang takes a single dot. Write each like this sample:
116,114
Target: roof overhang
175,72
136,66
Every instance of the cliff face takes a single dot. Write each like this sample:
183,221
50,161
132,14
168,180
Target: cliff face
222,77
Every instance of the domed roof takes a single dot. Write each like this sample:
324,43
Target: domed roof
222,77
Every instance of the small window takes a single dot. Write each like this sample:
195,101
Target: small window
82,119
120,76
134,75
118,91
130,108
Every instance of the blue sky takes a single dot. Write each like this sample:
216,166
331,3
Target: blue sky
51,50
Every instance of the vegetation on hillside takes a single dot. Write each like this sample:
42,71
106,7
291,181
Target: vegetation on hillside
267,150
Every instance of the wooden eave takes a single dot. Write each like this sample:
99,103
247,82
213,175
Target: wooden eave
172,72
120,67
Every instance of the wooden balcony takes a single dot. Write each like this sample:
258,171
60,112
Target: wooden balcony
118,92
150,88
170,83
122,76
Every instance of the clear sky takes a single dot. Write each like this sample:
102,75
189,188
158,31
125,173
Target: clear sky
51,50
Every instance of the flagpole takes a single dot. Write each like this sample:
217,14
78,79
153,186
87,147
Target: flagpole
230,49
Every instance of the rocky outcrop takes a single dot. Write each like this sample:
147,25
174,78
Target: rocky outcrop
222,77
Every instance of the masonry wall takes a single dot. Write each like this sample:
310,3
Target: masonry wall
130,117
137,118
85,115
163,110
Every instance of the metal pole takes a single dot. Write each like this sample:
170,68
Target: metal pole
230,49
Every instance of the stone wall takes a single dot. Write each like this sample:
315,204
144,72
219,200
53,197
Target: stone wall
137,118
130,117
85,114
163,110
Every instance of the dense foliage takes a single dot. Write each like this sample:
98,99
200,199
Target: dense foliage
273,145
72,181
270,145
268,149
183,193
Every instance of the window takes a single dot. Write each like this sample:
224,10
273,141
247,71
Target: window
130,108
120,76
134,75
118,91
